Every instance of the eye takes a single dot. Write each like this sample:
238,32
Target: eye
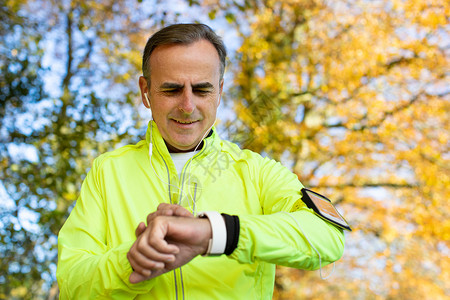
171,92
201,92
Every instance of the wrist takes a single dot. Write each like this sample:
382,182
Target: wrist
206,237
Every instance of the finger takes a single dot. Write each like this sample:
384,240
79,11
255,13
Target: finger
153,250
140,229
136,278
142,264
138,269
164,206
164,212
163,248
150,258
156,234
180,211
177,210
152,245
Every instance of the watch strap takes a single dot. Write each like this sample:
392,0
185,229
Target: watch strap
218,241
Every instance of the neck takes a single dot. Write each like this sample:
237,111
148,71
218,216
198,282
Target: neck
176,150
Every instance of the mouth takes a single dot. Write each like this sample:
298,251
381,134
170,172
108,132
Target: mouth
185,122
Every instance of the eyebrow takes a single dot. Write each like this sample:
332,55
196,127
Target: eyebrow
171,85
203,85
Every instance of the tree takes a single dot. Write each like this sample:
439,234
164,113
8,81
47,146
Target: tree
67,95
354,96
21,87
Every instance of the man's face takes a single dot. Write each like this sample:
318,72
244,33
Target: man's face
185,90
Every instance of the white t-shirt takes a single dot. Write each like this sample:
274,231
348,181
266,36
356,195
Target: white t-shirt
180,159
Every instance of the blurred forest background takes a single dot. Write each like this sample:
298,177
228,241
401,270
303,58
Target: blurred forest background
352,95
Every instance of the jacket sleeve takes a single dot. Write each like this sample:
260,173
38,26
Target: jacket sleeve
87,267
288,233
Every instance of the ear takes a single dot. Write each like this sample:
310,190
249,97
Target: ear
220,92
143,86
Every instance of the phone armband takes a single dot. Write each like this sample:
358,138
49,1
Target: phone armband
323,207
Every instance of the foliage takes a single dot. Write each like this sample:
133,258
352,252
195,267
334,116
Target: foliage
353,95
50,133
20,86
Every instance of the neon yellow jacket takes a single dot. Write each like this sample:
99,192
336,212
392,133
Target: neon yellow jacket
121,189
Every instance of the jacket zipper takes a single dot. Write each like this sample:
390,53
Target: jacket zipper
179,201
182,283
170,201
194,212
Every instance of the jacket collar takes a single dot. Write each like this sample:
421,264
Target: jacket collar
211,142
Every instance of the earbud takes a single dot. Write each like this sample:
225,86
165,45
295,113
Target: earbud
147,102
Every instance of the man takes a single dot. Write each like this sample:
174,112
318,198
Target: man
255,217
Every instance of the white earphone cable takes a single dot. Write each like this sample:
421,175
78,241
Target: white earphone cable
150,153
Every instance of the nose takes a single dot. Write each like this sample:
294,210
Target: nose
186,104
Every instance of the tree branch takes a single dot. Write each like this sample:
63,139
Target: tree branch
386,114
367,185
68,76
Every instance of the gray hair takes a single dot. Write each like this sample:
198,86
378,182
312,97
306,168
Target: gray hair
183,34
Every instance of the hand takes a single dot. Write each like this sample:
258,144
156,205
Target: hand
149,256
164,209
172,238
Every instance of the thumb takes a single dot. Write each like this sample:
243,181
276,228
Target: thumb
140,229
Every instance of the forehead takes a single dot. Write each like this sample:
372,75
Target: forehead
176,61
